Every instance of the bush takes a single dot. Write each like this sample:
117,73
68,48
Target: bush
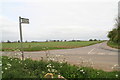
16,68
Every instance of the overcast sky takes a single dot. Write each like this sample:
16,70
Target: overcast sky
58,19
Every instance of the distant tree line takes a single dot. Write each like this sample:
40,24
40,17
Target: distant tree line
93,40
8,41
114,34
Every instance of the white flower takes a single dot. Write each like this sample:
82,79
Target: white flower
60,66
116,65
49,65
112,67
81,70
53,70
2,72
60,62
116,75
5,68
98,72
49,70
9,64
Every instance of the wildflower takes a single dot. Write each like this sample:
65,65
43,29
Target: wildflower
52,70
81,70
48,70
5,68
19,61
116,75
2,72
59,76
98,73
60,66
9,64
49,65
61,62
112,67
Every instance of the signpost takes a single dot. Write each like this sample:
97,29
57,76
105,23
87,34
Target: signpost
24,21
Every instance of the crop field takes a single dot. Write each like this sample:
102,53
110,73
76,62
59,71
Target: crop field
16,68
39,46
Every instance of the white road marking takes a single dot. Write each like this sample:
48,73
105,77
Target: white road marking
101,53
91,51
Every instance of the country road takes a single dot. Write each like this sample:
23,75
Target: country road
99,56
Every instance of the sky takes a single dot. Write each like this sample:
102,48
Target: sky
58,19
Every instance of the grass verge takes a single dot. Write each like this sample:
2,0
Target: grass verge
16,68
113,45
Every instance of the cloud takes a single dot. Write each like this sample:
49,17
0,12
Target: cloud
58,20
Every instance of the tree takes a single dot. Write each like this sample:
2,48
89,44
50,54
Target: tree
54,40
46,40
95,39
114,34
26,41
8,41
90,40
65,40
18,41
57,40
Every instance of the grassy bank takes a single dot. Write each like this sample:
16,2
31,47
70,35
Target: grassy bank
113,45
39,46
16,68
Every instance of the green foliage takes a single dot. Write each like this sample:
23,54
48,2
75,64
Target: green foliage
16,68
113,44
114,35
41,46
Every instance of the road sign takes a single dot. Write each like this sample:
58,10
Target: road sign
26,21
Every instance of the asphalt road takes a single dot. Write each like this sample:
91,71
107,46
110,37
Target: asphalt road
99,56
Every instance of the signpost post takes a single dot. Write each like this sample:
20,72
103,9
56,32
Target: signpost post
25,21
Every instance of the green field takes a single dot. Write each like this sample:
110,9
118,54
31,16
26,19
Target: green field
113,45
16,68
39,46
